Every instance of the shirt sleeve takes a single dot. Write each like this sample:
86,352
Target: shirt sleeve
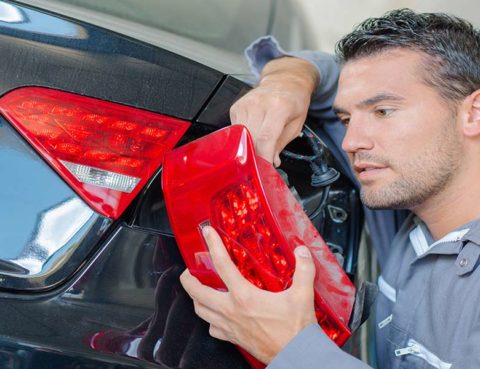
310,349
267,48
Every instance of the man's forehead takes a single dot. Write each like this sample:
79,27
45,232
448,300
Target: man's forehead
405,58
392,72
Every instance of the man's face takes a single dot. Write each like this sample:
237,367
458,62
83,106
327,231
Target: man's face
401,138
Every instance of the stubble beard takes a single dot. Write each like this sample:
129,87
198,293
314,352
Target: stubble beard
422,179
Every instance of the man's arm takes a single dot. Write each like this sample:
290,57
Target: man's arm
279,328
289,84
274,111
312,349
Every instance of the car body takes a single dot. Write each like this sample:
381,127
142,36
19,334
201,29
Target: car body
80,286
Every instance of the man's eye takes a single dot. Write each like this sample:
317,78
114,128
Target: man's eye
345,120
383,112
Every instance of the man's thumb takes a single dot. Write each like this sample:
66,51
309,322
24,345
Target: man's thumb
266,151
304,268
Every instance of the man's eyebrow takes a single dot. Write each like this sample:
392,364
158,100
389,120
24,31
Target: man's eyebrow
385,96
378,98
338,110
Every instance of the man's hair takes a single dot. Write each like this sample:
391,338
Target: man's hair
451,44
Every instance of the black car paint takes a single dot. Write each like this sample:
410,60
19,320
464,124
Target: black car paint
130,284
99,63
120,295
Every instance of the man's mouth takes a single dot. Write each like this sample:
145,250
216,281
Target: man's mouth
366,170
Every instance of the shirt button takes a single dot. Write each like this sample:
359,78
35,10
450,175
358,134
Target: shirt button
463,262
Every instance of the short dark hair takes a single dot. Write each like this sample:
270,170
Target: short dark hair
451,44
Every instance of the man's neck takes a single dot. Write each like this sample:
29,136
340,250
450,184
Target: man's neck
454,207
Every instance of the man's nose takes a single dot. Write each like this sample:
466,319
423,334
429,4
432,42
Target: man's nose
358,136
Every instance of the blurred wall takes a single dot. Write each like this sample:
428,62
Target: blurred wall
332,19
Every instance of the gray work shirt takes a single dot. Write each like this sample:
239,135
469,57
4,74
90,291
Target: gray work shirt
428,311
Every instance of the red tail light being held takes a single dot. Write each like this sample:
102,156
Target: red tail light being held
219,180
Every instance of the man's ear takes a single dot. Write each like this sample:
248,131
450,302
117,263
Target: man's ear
471,123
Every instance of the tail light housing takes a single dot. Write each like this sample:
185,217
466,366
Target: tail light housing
219,180
105,151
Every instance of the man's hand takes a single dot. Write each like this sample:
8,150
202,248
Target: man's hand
274,111
259,321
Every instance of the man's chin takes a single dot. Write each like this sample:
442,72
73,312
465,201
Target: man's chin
383,202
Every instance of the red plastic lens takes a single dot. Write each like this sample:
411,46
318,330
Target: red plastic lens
105,151
239,217
219,180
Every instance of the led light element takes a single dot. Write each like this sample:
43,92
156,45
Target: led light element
237,213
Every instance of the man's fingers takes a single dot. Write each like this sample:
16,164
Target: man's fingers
265,145
247,112
272,118
284,127
218,333
224,266
270,131
304,275
255,121
206,313
238,113
290,132
197,290
276,160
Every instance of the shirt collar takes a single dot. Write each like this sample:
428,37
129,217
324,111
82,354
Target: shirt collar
451,243
474,234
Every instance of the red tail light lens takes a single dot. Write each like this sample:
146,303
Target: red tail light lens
255,247
219,180
105,151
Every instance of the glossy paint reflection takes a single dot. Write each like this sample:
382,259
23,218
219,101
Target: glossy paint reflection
46,230
11,14
24,19
141,310
54,232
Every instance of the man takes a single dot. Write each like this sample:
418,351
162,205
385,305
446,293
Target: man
408,95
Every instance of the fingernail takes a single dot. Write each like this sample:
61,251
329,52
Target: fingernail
276,162
302,251
206,231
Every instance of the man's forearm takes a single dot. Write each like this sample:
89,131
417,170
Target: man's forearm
291,70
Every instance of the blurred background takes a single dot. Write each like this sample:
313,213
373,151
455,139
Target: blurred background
204,29
330,20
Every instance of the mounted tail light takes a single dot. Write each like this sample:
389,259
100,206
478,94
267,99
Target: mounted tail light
218,180
105,151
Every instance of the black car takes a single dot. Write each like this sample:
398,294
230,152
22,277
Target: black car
92,94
